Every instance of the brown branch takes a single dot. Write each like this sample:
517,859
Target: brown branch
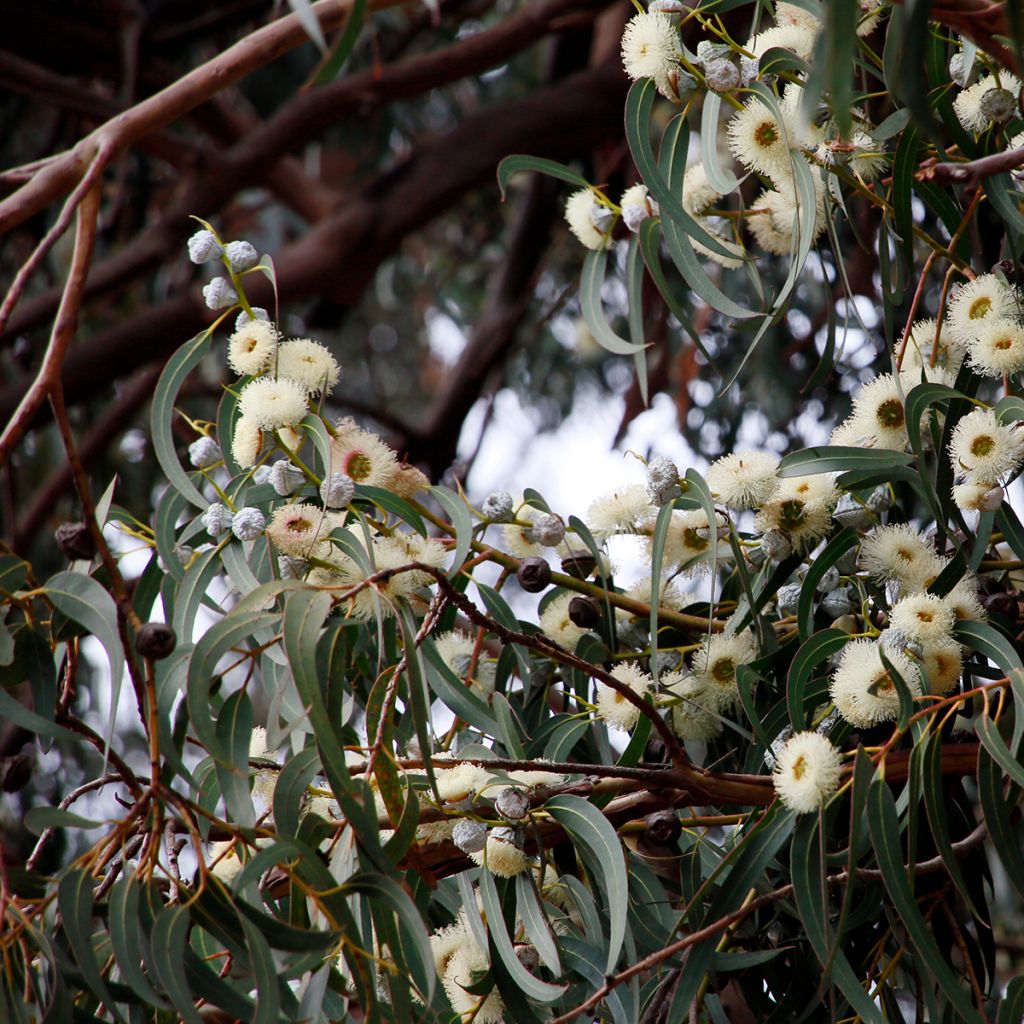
970,172
87,199
341,254
932,866
307,116
254,51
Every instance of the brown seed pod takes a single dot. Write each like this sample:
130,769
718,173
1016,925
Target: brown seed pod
534,575
662,828
156,640
75,541
584,612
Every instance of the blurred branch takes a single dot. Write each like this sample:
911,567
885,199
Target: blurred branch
970,172
340,255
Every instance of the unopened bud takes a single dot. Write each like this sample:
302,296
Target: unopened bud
534,575
337,491
776,545
512,804
285,478
584,612
219,294
203,247
498,507
837,603
662,828
217,519
241,255
156,640
548,530
722,75
469,836
75,541
248,524
662,480
579,564
204,452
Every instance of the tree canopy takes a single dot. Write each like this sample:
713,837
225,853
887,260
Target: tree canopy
295,726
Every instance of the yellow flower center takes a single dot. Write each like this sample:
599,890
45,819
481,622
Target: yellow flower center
982,446
723,670
693,540
980,308
358,466
890,413
766,134
799,767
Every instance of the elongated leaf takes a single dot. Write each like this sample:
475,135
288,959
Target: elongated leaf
178,367
167,941
998,798
834,550
519,162
813,652
535,922
598,845
38,819
534,987
720,178
123,922
83,600
458,513
591,281
836,459
884,825
75,899
812,904
346,43
635,305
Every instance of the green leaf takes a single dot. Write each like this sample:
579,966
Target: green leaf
534,987
75,900
83,600
837,459
811,654
290,790
392,503
884,826
38,819
535,922
346,43
598,846
1009,409
919,398
123,922
635,307
178,367
721,178
591,282
811,899
998,797
458,512
519,162
834,550
1011,1008
167,944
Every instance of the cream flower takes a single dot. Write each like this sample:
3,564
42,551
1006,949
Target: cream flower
984,449
502,857
519,539
963,599
698,196
310,363
802,508
797,38
981,497
362,456
791,14
923,617
695,716
895,553
272,404
807,772
623,510
637,206
862,689
775,216
984,298
743,479
461,782
968,106
715,663
456,650
650,49
689,537
246,442
556,624
466,966
760,141
252,347
878,414
997,348
943,662
588,220
922,342
298,529
612,707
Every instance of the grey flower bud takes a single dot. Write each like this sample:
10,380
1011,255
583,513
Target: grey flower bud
219,294
291,568
203,247
261,474
846,563
788,599
527,955
248,523
829,581
721,75
204,452
837,603
880,500
548,530
243,319
680,85
998,105
499,507
667,6
991,500
749,70
217,519
852,513
897,640
285,478
667,661
776,545
512,804
756,556
503,834
707,51
634,214
662,480
958,70
469,836
241,255
337,491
